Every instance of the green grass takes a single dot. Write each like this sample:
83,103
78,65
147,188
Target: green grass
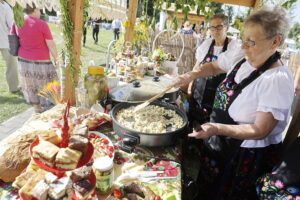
12,104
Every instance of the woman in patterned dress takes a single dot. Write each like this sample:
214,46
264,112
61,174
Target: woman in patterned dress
36,68
243,139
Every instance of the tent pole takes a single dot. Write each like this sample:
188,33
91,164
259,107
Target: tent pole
131,14
76,14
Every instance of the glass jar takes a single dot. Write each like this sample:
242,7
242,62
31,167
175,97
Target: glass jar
95,82
103,168
81,97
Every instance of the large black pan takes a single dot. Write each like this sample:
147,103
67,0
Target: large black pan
133,137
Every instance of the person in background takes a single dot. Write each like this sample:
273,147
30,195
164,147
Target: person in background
6,21
116,26
201,92
84,27
199,36
187,29
96,25
243,139
204,89
84,31
36,68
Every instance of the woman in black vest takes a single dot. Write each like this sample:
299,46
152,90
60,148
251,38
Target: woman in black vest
251,109
203,89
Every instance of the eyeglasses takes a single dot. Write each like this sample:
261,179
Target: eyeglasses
251,43
219,27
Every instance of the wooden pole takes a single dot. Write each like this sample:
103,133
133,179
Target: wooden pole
256,4
133,4
76,14
293,129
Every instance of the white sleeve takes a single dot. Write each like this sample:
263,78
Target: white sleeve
275,93
202,50
9,18
232,55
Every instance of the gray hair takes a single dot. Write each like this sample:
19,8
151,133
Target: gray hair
274,21
221,16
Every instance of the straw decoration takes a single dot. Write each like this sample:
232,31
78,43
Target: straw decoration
51,92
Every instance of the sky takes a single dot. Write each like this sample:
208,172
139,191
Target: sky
296,12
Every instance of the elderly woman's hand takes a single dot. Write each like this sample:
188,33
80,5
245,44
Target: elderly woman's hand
207,130
179,81
183,79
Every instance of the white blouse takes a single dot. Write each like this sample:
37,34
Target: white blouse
270,92
204,47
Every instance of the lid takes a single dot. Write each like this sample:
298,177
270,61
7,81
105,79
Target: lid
103,163
141,90
95,70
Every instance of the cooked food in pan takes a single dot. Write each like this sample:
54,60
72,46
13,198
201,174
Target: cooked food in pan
151,119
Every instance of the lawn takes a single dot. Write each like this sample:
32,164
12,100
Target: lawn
12,104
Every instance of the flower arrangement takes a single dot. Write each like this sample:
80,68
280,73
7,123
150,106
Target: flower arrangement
159,56
52,92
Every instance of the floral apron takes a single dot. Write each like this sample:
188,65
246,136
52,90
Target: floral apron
229,171
204,89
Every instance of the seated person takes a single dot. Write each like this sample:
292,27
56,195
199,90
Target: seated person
251,109
284,181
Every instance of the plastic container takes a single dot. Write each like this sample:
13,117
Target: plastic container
103,168
95,82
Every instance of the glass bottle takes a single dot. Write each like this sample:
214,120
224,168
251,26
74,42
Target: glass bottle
95,82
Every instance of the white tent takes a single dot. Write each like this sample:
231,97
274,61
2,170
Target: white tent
108,9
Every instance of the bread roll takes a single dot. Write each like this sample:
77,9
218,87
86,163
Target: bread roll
14,154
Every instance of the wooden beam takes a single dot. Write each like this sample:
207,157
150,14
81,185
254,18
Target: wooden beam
76,14
133,4
256,4
248,3
293,129
191,17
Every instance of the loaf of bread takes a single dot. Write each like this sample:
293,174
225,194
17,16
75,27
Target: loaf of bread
14,150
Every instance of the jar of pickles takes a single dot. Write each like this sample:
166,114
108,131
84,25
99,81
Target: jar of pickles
95,82
103,168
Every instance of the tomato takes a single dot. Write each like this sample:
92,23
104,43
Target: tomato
117,193
110,155
157,198
105,141
110,148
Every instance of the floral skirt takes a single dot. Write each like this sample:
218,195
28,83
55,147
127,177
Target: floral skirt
33,76
235,180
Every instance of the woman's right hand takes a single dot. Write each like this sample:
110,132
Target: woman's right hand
182,80
56,63
179,81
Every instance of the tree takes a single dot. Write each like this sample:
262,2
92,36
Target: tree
216,7
295,34
229,12
287,4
